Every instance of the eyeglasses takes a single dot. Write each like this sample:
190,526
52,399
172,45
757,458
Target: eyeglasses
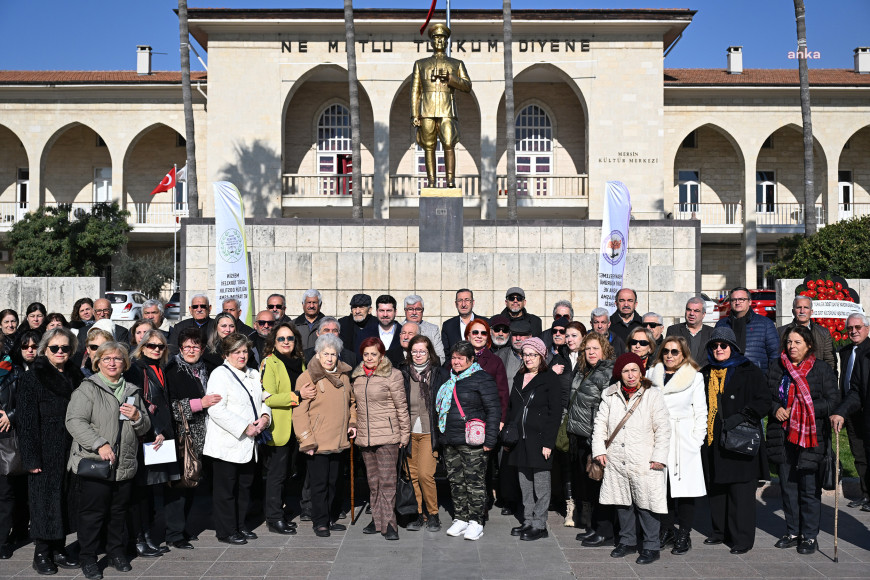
740,300
59,347
155,345
720,346
419,352
530,354
672,351
652,324
103,310
30,346
559,330
515,298
413,309
633,342
112,359
477,332
196,307
275,307
191,348
856,328
93,347
286,339
266,322
501,329
463,300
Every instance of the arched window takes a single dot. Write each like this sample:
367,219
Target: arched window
334,151
534,134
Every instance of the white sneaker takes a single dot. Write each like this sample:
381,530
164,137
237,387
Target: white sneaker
474,531
457,529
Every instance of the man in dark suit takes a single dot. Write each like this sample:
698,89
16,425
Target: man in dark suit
802,309
626,318
386,328
200,311
453,329
329,325
694,330
103,311
854,362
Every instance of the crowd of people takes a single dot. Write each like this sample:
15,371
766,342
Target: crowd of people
620,427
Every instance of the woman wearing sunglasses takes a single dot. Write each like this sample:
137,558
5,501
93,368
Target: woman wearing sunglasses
736,391
642,343
282,365
146,369
45,445
93,340
676,374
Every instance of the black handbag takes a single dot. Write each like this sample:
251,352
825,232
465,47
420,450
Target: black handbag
10,455
744,438
101,469
406,499
509,435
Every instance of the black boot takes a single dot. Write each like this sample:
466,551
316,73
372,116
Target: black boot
682,543
155,545
144,550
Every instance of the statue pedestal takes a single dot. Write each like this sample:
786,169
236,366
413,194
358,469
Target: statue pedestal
441,219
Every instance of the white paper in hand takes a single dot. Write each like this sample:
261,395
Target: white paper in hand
166,453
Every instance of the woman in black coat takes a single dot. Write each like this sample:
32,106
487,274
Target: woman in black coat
477,394
805,394
13,488
736,391
45,445
146,369
535,410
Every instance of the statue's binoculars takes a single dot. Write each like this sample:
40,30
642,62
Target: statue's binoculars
438,74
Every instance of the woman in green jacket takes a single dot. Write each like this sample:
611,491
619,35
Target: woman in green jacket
282,364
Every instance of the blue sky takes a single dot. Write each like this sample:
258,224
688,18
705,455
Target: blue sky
103,34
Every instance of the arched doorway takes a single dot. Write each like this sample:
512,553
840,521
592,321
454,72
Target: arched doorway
14,177
77,167
853,176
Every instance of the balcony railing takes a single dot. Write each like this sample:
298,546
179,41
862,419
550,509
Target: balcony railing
142,215
548,186
785,214
853,210
410,185
298,186
710,214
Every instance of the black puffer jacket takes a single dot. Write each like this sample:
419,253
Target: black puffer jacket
9,391
826,397
588,386
478,395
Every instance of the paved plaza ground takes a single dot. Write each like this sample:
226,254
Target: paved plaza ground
421,555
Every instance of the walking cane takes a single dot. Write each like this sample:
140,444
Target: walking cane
836,496
352,487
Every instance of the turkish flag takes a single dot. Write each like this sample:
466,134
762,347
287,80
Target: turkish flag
167,183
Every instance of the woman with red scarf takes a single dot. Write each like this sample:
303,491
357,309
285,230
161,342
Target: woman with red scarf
805,395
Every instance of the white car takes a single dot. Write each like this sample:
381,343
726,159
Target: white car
711,310
126,304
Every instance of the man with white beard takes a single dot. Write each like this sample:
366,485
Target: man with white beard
500,329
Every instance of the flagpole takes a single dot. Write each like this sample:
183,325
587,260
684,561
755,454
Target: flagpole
174,234
449,48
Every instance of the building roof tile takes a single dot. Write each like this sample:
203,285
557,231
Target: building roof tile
710,77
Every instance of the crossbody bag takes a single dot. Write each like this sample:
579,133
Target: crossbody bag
594,470
265,436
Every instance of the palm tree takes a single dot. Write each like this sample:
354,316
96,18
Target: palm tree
189,133
353,94
510,130
810,219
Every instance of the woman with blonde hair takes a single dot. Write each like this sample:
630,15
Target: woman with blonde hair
676,374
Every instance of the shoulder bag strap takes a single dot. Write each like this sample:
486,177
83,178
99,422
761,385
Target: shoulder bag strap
623,422
455,398
244,388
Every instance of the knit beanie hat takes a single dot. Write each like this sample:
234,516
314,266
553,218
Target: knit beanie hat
537,345
724,334
623,361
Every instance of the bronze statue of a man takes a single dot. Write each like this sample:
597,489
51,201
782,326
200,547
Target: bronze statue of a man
433,110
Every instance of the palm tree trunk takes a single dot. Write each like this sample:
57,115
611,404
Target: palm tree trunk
353,94
510,130
810,219
189,133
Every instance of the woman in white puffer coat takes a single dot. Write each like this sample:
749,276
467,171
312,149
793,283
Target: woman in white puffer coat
634,475
676,374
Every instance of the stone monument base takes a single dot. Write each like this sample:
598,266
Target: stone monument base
441,219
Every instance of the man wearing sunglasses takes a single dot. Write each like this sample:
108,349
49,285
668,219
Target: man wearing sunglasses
802,310
855,390
626,318
200,312
264,322
694,330
515,309
654,322
500,329
756,334
453,329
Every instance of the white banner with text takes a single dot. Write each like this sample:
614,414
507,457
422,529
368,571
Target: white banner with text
614,243
231,251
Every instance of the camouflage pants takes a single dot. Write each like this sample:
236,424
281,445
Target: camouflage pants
466,471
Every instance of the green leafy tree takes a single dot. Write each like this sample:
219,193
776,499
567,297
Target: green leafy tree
840,248
147,273
56,241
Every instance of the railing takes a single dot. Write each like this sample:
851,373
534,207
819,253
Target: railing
410,185
157,214
11,212
323,185
549,186
784,214
853,210
710,214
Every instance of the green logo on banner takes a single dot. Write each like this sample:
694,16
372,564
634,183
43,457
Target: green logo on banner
231,246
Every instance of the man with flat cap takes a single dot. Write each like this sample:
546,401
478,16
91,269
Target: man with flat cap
433,110
352,325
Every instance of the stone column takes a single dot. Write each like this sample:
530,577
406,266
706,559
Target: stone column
381,156
489,96
750,229
831,192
